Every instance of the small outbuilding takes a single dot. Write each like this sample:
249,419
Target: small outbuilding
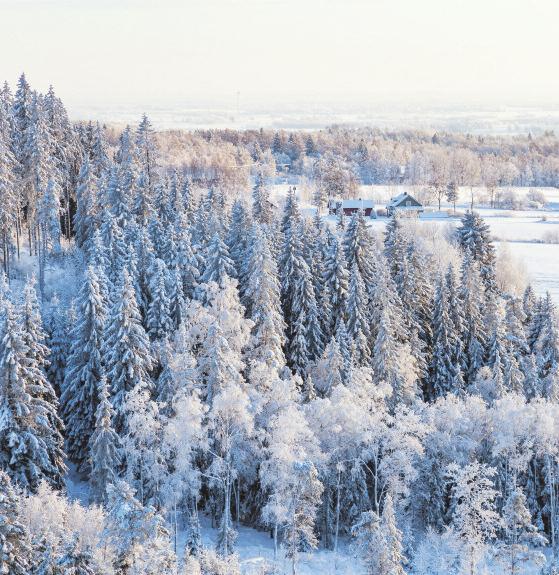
404,204
350,207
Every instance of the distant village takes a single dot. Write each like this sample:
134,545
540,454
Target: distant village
403,204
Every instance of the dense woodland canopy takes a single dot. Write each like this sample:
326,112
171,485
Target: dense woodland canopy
195,353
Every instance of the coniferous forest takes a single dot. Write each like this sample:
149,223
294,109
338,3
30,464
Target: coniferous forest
185,355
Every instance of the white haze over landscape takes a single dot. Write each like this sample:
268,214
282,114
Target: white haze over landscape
450,64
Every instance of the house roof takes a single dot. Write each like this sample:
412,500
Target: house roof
352,203
400,198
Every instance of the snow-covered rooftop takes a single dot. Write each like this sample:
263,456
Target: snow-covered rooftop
353,203
396,200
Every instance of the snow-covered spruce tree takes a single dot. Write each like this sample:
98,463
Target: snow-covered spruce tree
535,325
445,340
474,335
179,368
115,245
37,168
521,536
503,363
291,254
473,510
379,541
219,362
547,345
187,261
125,156
392,361
98,153
168,244
237,238
298,347
49,218
163,204
200,229
24,454
8,190
304,302
158,234
416,293
104,448
116,199
187,197
529,301
22,118
176,198
515,333
159,321
314,243
16,553
127,175
139,264
456,313
176,298
532,381
125,349
263,303
44,402
218,263
84,371
74,560
59,344
340,220
474,237
357,317
5,293
97,259
383,298
137,534
143,202
359,248
515,346
396,241
193,542
336,279
147,153
224,333
262,210
344,342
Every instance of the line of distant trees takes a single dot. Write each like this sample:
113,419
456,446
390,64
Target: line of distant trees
339,159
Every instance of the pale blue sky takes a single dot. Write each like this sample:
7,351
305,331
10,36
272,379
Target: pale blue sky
107,52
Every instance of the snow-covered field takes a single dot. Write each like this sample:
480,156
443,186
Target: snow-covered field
227,112
541,262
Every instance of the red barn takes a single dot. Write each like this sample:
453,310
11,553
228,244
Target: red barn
350,207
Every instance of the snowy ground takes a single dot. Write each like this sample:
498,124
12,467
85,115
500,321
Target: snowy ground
255,548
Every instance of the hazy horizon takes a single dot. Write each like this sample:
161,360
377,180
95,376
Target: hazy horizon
285,53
